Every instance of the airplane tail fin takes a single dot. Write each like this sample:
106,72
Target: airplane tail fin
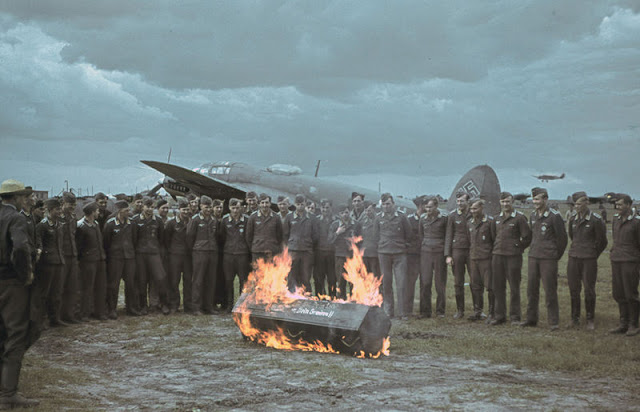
562,176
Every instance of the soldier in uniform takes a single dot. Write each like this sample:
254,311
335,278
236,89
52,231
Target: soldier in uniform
283,207
588,236
194,204
370,241
68,289
235,260
121,261
299,234
413,253
221,287
101,200
456,248
357,204
625,259
481,236
27,212
180,261
91,257
148,236
51,265
549,240
394,234
162,207
38,210
431,233
202,239
324,265
512,237
341,233
137,205
251,199
264,231
16,275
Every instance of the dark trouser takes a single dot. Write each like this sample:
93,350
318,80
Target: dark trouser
507,269
460,264
481,278
393,264
324,269
119,268
413,274
344,287
234,265
14,332
624,283
93,284
71,293
203,285
265,256
154,298
44,301
149,268
547,270
372,263
579,272
301,267
221,287
432,265
180,266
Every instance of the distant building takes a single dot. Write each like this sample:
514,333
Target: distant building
41,194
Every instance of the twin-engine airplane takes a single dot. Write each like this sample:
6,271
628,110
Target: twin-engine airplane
546,178
224,180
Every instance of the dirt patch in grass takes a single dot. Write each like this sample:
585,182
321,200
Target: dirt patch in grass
183,362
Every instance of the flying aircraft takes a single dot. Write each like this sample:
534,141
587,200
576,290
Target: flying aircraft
224,180
546,178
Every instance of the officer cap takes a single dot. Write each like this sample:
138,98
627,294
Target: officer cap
147,201
217,202
578,195
264,196
52,203
206,200
100,196
281,198
356,194
234,202
505,195
460,194
90,208
539,190
300,199
121,204
191,197
182,202
420,200
625,197
68,197
121,196
137,196
251,195
161,203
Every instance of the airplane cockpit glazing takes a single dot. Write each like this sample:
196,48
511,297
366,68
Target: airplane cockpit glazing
214,169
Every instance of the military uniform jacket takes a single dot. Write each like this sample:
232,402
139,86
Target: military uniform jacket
432,233
264,233
89,241
626,239
49,240
234,235
69,225
118,239
481,236
457,232
322,227
369,239
588,236
512,234
393,232
416,242
203,234
549,237
357,217
342,242
31,232
102,218
15,245
299,231
175,236
148,234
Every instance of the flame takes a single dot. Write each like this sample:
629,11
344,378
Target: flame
267,285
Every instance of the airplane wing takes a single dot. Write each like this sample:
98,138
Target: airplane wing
207,185
198,183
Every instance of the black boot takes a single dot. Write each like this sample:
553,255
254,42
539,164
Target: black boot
9,396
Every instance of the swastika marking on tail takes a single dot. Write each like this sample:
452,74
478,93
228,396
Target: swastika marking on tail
471,189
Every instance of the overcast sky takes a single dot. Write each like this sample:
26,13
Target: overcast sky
411,94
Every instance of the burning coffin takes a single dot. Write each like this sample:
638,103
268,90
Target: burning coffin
349,328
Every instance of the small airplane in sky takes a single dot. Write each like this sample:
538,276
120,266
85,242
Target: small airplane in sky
546,178
224,180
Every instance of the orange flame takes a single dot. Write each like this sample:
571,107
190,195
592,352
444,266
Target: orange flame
267,285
